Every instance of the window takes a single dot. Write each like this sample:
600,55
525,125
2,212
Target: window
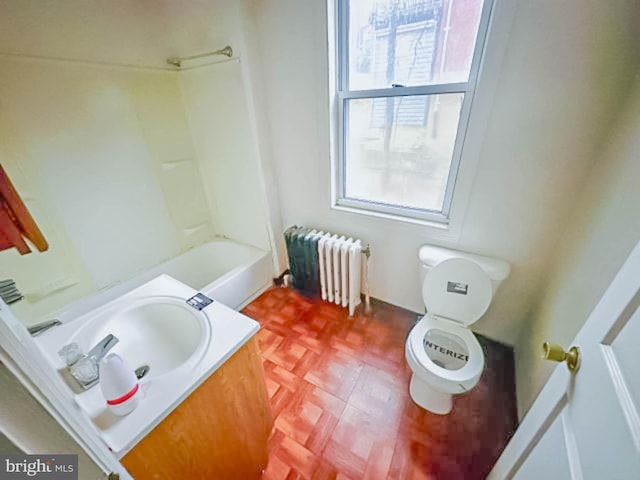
406,75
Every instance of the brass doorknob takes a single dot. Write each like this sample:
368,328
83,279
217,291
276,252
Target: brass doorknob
555,353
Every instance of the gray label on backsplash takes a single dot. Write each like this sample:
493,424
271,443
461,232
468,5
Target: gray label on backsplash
51,467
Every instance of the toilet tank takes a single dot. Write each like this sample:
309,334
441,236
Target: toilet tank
497,270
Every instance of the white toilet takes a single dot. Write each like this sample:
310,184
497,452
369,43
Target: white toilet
442,352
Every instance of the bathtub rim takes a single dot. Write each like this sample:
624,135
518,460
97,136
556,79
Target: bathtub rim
104,296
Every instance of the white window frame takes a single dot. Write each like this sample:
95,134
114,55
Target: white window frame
438,219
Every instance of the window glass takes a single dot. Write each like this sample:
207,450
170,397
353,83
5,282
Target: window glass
411,43
400,149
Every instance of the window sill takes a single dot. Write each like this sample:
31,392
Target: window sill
436,230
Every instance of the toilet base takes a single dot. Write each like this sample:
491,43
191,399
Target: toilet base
428,398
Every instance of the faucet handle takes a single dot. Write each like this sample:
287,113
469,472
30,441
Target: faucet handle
70,353
85,370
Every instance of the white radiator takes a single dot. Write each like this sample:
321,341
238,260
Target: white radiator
326,264
340,265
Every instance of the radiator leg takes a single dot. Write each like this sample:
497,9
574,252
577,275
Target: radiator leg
367,299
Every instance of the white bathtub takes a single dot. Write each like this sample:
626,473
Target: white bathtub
227,271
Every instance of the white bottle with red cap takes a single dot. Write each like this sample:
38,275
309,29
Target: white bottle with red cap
119,385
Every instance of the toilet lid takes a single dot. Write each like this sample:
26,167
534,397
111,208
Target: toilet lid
457,289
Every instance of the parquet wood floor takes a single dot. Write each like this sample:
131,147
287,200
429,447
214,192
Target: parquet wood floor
339,392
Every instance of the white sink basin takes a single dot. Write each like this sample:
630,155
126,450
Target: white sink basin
155,327
161,332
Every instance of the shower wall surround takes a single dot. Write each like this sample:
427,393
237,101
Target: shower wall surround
122,169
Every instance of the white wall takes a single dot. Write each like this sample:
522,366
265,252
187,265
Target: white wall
104,159
253,78
557,86
125,32
604,228
216,105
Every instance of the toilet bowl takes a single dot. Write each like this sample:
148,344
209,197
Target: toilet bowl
444,355
445,360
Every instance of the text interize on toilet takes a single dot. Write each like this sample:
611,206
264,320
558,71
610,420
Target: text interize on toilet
49,467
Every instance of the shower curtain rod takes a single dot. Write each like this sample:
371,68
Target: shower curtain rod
177,61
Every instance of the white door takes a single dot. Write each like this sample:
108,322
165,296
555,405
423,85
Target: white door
587,425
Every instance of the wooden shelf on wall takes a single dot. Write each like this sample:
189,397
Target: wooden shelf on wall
16,223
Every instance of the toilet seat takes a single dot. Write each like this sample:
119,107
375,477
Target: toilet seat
457,289
453,381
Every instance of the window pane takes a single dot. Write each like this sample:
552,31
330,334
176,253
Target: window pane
399,149
411,42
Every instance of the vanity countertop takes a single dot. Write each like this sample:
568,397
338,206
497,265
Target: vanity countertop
230,330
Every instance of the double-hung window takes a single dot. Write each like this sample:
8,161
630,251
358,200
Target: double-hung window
407,71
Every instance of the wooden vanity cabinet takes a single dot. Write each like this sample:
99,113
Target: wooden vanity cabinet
220,431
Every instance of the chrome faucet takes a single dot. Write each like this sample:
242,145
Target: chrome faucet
84,368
